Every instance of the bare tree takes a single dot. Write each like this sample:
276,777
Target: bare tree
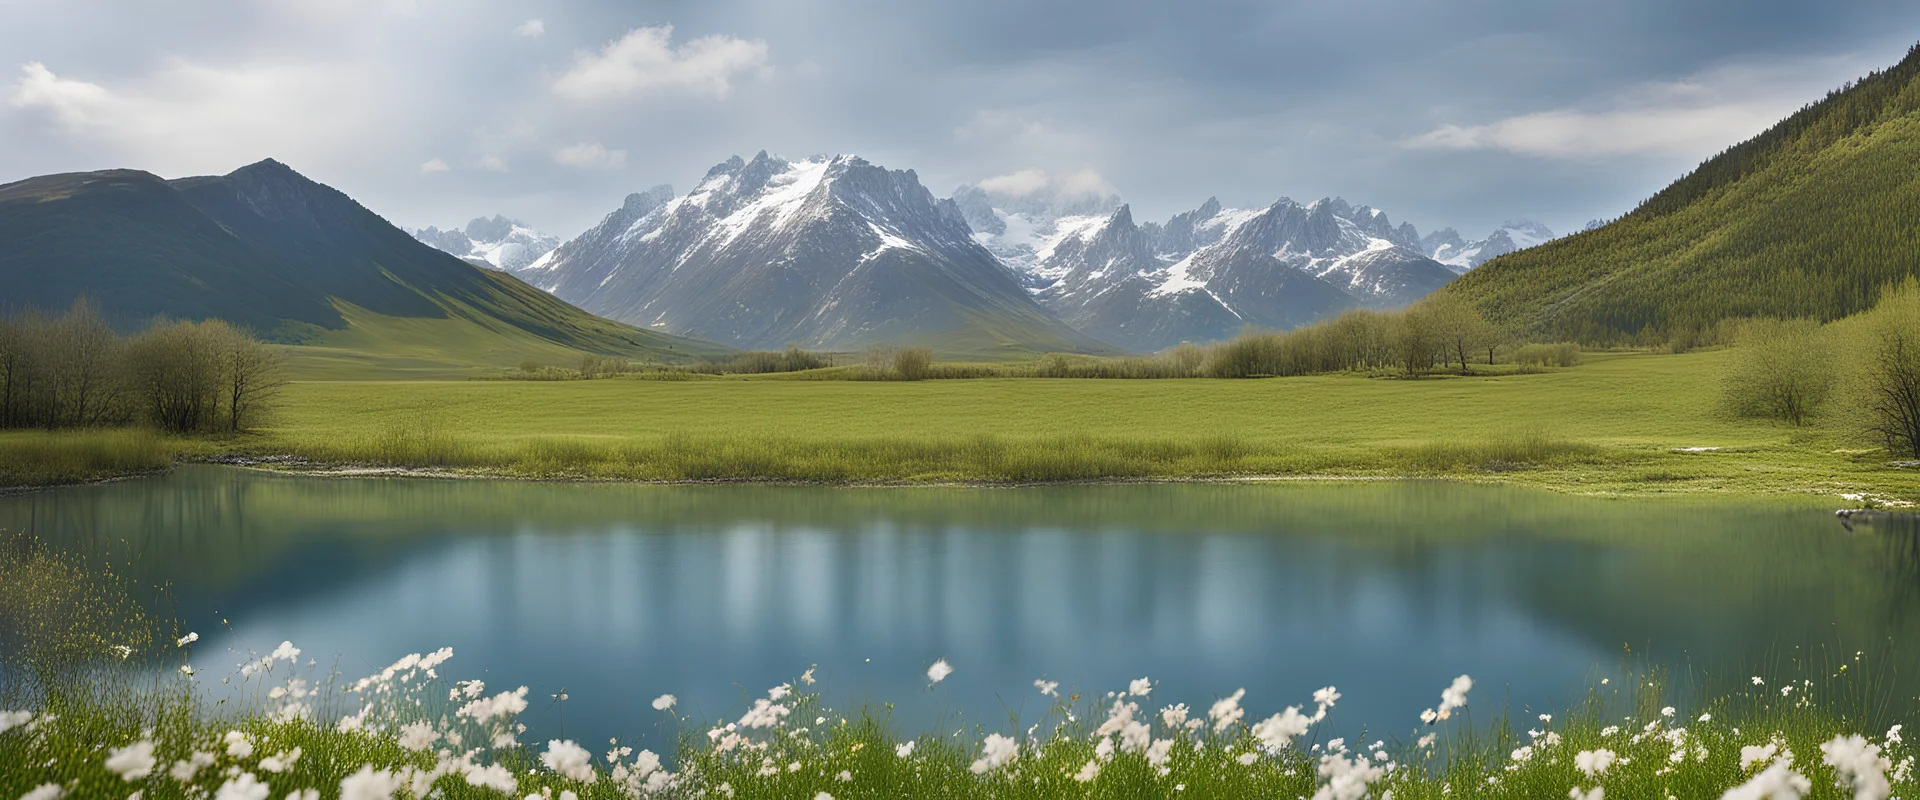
255,374
1889,383
177,374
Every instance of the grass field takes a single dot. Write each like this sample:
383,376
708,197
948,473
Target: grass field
1618,423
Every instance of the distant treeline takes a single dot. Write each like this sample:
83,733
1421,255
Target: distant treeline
1441,333
73,370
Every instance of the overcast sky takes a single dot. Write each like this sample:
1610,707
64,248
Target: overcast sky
1441,112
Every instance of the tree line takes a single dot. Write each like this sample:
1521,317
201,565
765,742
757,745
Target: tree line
74,370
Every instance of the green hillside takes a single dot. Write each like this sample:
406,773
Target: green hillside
1809,219
297,261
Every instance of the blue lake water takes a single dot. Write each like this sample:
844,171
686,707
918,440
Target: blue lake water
618,593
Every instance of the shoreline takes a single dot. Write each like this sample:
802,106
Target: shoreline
293,465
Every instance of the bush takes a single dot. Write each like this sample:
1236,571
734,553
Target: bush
1563,354
1782,369
912,363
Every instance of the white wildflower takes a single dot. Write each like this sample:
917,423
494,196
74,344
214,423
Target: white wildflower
1247,759
418,735
1758,682
280,762
1893,735
492,776
369,784
1347,779
14,719
823,796
1757,754
1174,716
1428,740
45,791
1776,782
1048,688
1134,737
241,787
997,752
184,769
1596,793
1226,711
238,745
1452,697
904,750
779,693
1706,718
188,639
569,759
939,671
1088,772
845,776
285,652
299,794
133,762
1104,749
807,677
1159,753
1277,732
1140,688
1860,766
666,701
1667,712
1594,762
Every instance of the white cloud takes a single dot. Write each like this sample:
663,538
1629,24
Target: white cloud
1692,118
590,156
645,61
433,165
492,163
1017,184
191,118
1029,182
531,28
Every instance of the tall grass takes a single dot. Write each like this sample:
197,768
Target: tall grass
45,458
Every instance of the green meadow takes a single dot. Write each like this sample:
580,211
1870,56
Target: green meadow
1625,422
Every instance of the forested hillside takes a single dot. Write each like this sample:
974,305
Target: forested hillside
1809,219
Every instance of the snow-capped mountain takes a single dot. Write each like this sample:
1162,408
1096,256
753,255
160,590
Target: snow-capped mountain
497,243
1208,273
1446,246
824,253
1020,229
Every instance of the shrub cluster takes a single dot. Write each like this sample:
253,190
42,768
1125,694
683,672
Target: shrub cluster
75,371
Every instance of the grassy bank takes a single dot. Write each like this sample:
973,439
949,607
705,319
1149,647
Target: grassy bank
1629,423
1621,422
41,458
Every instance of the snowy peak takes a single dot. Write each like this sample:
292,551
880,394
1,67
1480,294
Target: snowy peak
828,251
1446,246
496,242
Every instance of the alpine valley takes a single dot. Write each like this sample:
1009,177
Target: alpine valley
839,253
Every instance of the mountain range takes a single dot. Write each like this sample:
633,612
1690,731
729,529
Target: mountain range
836,253
497,243
1206,274
298,261
823,253
1809,219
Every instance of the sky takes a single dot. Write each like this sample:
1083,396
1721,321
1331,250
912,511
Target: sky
1458,113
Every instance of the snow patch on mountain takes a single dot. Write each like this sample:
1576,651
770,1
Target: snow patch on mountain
496,243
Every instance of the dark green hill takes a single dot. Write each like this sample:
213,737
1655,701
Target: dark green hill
1809,219
296,260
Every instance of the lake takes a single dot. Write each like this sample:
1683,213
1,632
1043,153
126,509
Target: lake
618,593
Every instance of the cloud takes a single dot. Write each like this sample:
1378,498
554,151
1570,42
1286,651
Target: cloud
590,156
1017,184
531,28
433,165
1693,117
645,61
191,117
1030,182
492,163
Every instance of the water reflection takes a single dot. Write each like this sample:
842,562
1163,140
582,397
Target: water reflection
619,593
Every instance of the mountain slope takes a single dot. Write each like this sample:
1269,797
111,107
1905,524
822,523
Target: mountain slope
825,253
1808,219
296,260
